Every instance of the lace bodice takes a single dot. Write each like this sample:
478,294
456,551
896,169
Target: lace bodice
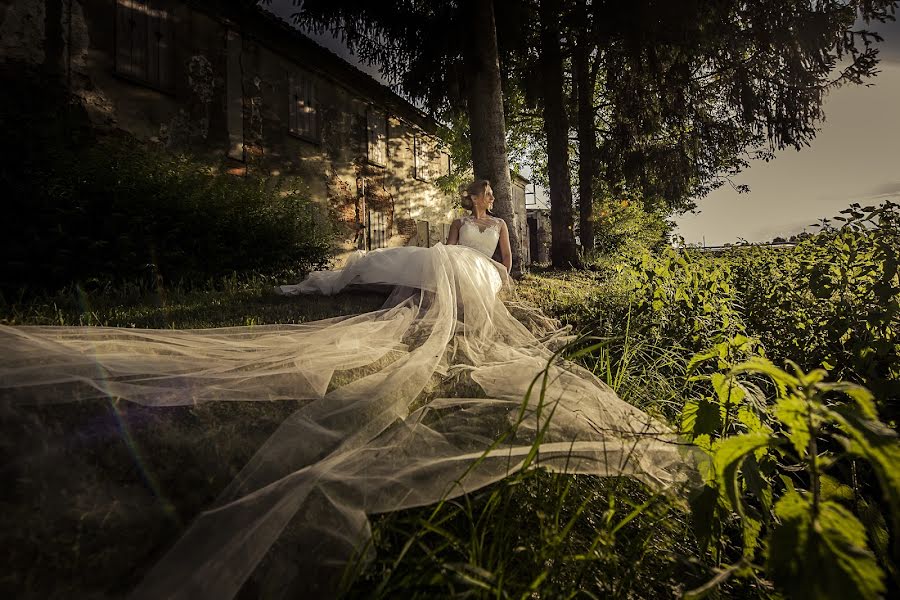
483,238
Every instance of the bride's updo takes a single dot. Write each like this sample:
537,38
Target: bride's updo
476,188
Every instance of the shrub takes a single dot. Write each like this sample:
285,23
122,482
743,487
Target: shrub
111,209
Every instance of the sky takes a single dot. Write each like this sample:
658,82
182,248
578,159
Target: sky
855,157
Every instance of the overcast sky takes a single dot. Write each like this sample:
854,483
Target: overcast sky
854,158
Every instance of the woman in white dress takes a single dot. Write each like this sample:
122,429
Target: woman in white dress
437,394
481,230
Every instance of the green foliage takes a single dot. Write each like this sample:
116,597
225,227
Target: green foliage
536,534
832,301
625,227
117,211
821,553
756,469
685,299
801,473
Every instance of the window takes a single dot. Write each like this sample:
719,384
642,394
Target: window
423,154
376,139
378,229
303,117
145,42
430,162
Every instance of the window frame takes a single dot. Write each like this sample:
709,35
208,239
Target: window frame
420,148
167,7
294,74
438,165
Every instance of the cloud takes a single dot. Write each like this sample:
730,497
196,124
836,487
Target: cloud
886,189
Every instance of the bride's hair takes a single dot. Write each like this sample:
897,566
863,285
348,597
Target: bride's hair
476,188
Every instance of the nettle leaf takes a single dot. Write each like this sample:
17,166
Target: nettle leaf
750,530
751,420
832,489
877,443
730,452
756,483
728,389
704,442
863,397
700,417
792,412
824,555
764,366
876,528
699,358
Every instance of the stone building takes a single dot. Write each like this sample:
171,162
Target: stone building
539,234
244,90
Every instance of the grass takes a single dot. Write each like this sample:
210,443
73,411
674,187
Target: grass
231,302
102,489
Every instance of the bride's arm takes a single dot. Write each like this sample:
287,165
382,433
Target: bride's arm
505,250
453,236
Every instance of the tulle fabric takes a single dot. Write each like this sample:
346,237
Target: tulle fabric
438,394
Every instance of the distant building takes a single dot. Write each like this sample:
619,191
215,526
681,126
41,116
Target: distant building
240,87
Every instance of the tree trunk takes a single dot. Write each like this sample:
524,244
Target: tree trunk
486,120
586,144
563,253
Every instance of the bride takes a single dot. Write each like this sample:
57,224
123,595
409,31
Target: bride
479,232
437,394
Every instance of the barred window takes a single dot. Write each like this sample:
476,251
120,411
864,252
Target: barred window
303,119
376,128
145,42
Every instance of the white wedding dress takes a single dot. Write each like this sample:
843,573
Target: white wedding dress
438,394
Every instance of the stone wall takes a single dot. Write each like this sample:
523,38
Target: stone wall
539,235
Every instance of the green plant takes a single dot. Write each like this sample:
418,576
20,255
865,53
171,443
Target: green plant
682,298
773,473
104,209
832,301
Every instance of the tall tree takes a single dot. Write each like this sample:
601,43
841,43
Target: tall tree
585,80
684,95
690,92
443,55
563,253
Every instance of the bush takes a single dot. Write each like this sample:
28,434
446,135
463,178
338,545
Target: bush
627,228
111,210
833,301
